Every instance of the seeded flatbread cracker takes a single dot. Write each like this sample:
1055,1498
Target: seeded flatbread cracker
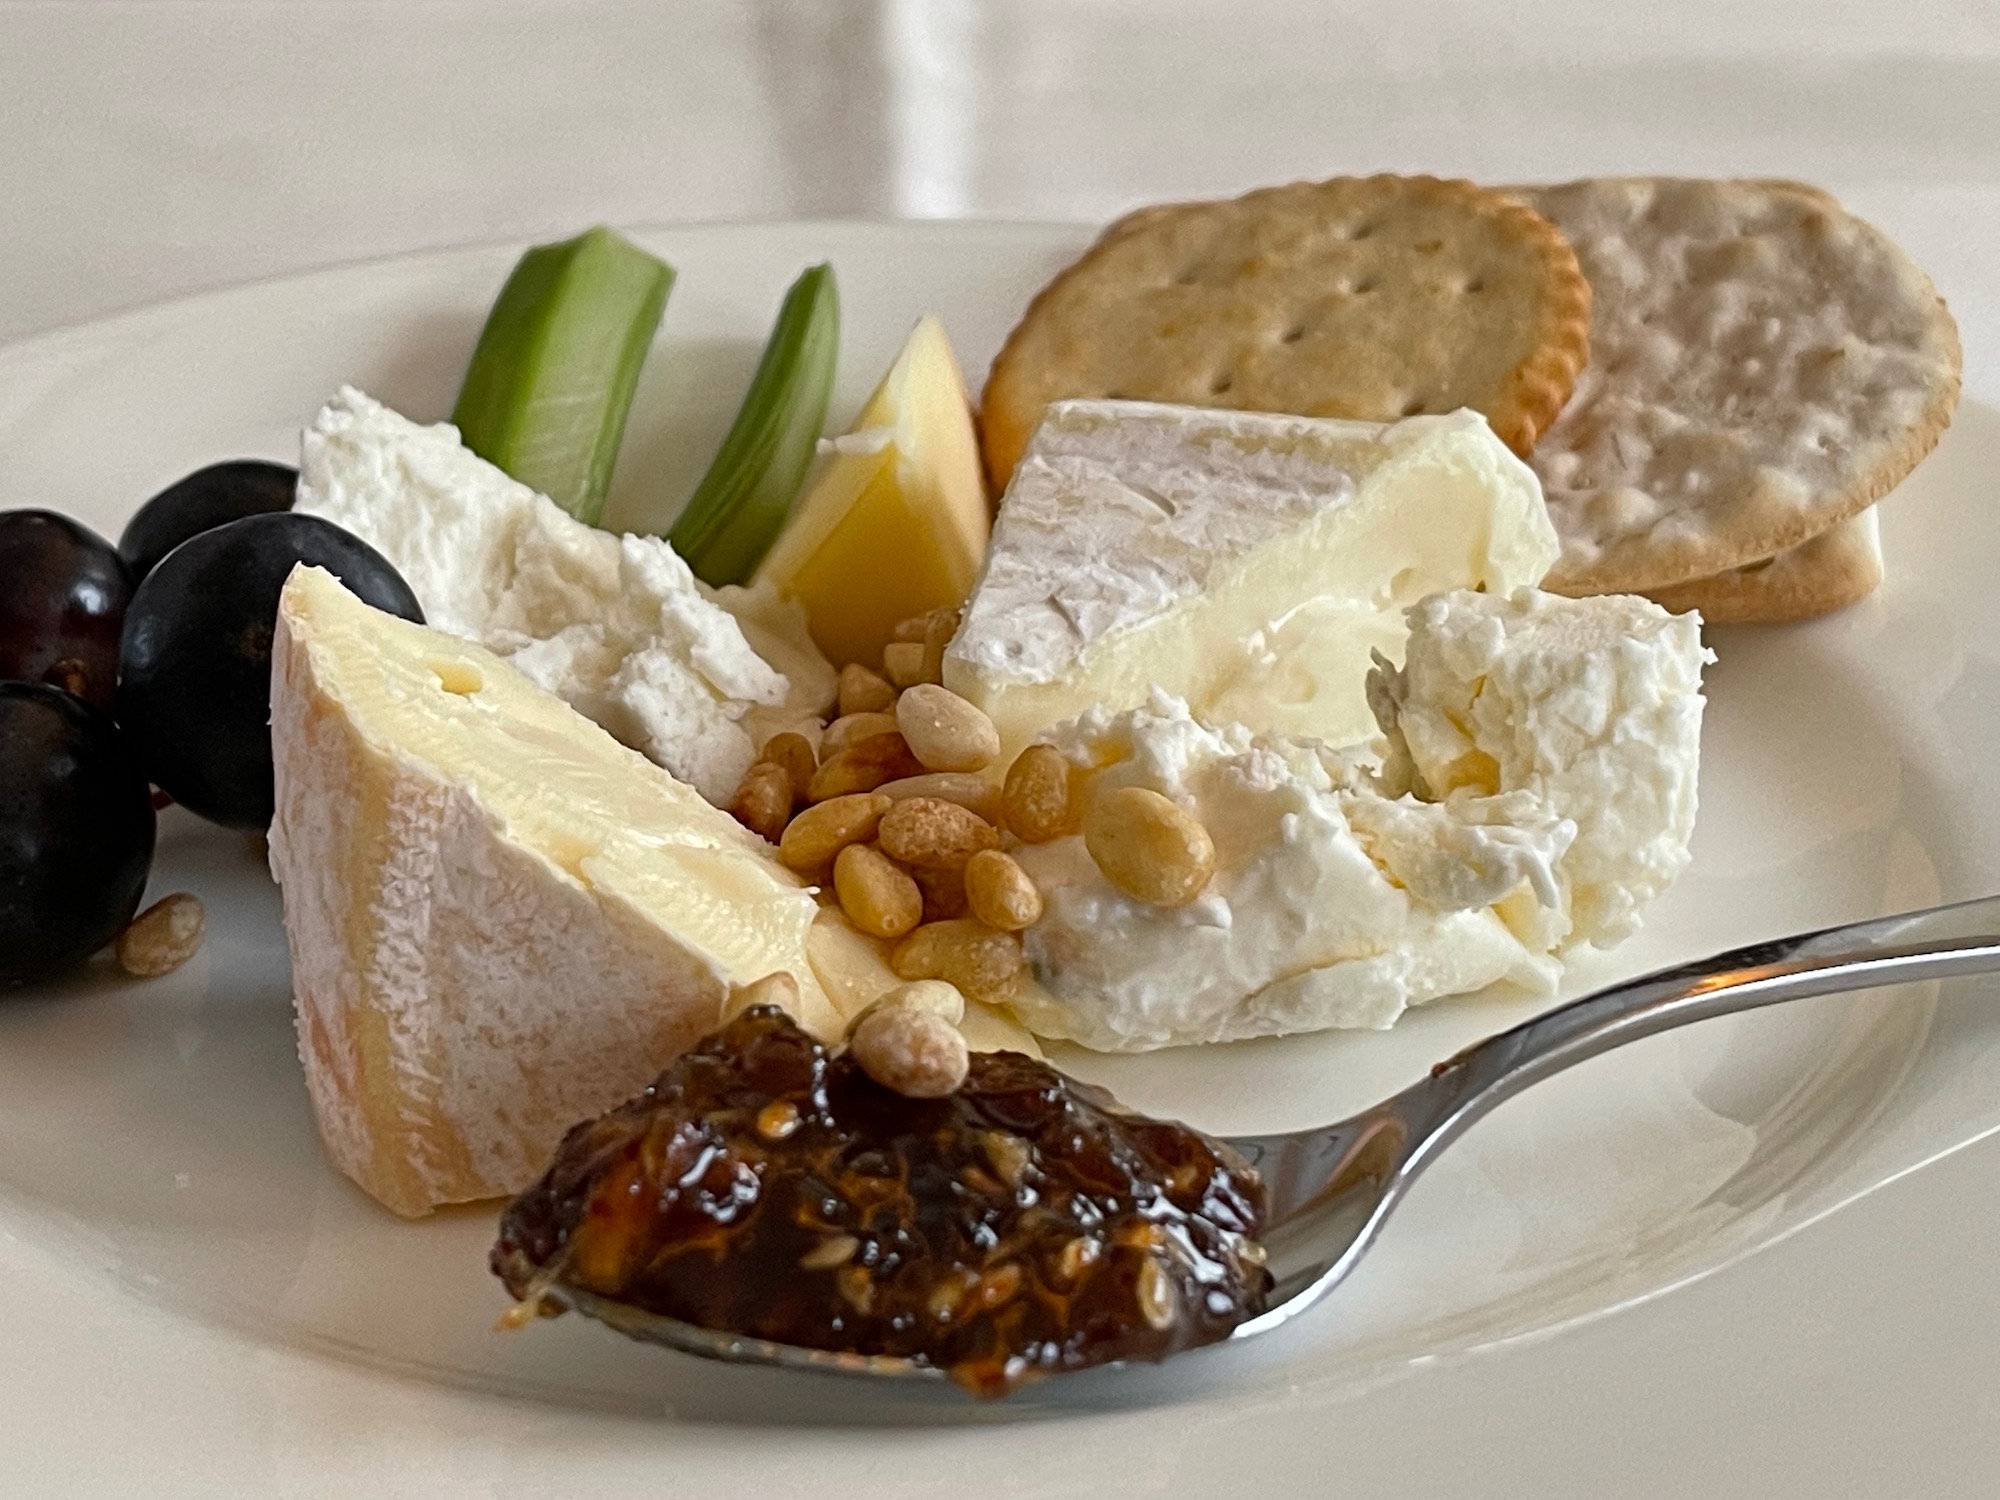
1366,297
1835,569
1764,365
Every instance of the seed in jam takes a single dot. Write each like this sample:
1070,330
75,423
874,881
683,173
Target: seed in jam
1022,1226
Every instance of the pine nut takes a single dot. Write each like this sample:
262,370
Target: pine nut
778,1120
834,1250
984,964
903,661
968,789
1007,1154
863,766
1078,1256
1000,892
1149,846
996,1288
778,989
763,800
163,936
794,752
1158,1301
944,731
933,834
878,897
1037,797
816,835
910,1050
937,995
863,691
851,728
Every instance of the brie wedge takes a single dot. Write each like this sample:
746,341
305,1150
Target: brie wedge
501,920
1246,563
616,626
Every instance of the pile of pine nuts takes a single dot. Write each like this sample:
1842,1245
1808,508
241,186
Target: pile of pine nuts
897,813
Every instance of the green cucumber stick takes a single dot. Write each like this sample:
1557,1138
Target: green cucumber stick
551,381
741,504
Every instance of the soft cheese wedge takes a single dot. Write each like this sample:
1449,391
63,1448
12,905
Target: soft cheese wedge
1246,563
502,921
897,522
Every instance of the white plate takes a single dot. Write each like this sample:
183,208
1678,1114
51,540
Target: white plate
157,1157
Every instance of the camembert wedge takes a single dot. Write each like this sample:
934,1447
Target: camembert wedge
1243,562
502,921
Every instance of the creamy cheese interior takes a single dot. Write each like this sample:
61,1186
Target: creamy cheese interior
1247,563
616,626
1539,791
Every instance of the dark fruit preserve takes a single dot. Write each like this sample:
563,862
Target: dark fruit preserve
1021,1227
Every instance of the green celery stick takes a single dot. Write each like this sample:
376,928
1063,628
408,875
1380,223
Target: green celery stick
741,503
551,381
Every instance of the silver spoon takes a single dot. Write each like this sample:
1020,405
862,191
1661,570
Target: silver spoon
1331,1187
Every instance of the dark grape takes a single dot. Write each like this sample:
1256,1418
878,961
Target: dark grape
76,831
195,687
202,501
63,594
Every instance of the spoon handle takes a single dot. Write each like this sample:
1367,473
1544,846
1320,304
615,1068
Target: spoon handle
1940,942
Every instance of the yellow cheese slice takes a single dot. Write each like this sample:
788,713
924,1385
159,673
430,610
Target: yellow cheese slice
897,522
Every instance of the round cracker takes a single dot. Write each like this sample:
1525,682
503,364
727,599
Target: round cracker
1833,570
1764,365
1366,297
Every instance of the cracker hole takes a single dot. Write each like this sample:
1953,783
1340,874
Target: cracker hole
1428,247
1414,407
1221,384
1365,285
1475,286
1293,334
1362,232
1188,277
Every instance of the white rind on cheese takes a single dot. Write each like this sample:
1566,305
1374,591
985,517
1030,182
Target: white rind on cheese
1248,563
1475,859
616,626
501,920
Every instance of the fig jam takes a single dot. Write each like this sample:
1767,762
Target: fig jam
1021,1227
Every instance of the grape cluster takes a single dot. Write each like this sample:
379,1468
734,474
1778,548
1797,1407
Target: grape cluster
141,665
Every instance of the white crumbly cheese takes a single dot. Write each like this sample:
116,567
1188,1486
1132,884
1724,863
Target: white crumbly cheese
616,626
501,920
1341,896
1243,561
1591,705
